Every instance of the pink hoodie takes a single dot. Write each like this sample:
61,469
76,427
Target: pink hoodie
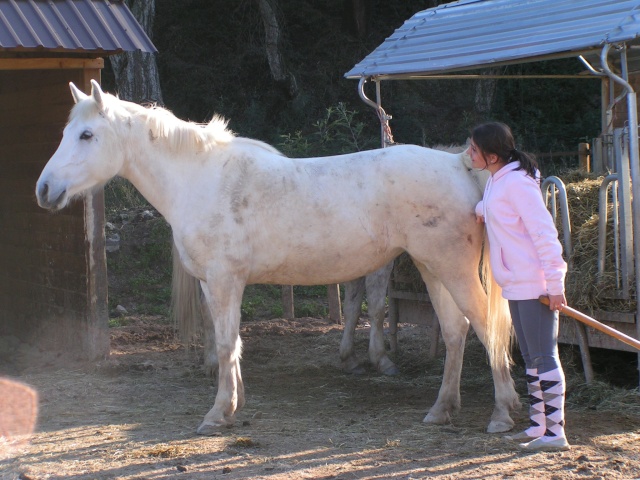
526,255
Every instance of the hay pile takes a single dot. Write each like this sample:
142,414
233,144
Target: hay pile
584,291
406,277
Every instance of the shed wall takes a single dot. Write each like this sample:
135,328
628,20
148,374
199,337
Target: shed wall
53,285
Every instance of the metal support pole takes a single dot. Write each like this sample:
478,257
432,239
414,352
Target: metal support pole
386,140
603,205
634,164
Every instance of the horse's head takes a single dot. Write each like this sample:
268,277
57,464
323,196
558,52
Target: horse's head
85,157
481,177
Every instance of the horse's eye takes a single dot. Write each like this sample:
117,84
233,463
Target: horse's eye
86,135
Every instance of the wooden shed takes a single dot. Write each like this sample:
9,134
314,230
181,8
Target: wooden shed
53,280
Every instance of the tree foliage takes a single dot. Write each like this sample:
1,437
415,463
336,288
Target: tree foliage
213,59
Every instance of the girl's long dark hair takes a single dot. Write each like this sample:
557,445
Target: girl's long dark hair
496,138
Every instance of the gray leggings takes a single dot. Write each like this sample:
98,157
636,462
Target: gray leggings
537,331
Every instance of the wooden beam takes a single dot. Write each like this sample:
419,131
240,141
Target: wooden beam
288,312
50,63
335,308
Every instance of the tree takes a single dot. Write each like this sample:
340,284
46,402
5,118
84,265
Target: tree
136,73
486,91
358,15
272,35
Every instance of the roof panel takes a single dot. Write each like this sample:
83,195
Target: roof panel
100,26
475,33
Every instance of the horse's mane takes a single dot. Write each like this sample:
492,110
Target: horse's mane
180,135
451,148
479,176
459,149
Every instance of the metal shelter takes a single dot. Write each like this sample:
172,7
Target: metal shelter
455,40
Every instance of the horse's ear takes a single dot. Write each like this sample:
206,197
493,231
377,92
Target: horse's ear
96,93
76,93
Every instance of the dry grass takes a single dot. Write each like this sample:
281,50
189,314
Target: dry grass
585,290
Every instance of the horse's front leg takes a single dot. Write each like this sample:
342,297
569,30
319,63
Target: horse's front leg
353,295
377,284
224,303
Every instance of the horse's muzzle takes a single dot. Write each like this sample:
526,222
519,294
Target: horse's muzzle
51,200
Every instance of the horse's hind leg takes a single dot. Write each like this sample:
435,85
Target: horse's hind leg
376,286
506,398
353,295
468,294
454,327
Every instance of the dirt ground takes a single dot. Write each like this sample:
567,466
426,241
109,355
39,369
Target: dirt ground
134,416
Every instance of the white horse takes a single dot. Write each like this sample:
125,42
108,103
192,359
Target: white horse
242,213
376,285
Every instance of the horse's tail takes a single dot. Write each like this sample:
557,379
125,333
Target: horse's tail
499,334
185,300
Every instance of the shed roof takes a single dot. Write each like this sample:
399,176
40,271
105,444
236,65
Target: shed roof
471,34
70,26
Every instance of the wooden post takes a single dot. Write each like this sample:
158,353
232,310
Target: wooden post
585,157
287,302
335,309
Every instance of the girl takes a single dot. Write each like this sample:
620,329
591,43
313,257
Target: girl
526,259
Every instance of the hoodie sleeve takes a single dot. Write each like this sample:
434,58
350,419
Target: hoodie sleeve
529,205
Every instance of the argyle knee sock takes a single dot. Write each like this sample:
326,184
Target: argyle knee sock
537,424
552,385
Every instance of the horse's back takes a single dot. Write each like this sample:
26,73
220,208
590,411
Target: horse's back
397,175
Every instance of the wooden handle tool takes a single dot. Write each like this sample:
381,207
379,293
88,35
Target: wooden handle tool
581,317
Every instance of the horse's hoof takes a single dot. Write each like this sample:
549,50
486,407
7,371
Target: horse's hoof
388,368
208,429
432,419
353,367
357,370
500,426
391,371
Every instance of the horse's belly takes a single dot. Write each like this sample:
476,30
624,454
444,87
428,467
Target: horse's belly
320,266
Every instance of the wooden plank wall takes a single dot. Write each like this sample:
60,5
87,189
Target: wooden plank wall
53,289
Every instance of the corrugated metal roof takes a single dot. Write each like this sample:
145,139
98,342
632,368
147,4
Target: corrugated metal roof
99,26
480,33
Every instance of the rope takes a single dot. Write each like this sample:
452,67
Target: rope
386,129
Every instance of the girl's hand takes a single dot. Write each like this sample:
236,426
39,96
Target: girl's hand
556,302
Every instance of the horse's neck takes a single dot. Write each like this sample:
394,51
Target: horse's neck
480,177
157,177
